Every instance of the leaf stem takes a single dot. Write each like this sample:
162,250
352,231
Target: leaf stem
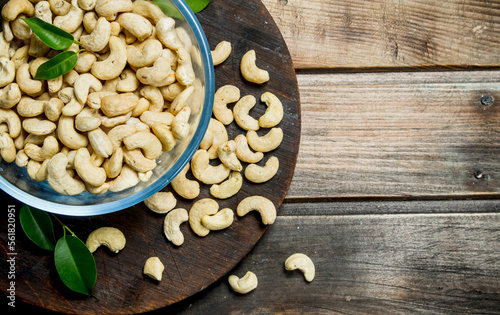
64,226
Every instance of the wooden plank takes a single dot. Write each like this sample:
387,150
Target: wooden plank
398,135
360,34
373,264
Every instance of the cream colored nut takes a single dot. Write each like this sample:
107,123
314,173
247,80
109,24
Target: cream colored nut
49,148
67,134
110,8
180,124
200,208
184,72
303,263
29,107
101,143
148,10
215,136
171,225
7,33
35,63
13,8
21,158
128,81
146,141
128,178
266,143
184,186
142,106
89,21
7,148
4,46
111,237
88,119
20,29
181,100
260,174
145,176
87,5
114,64
136,160
20,56
41,173
19,141
219,221
60,7
154,268
171,91
241,113
161,202
72,105
12,120
59,179
205,172
38,126
243,151
32,168
145,54
221,52
53,109
225,95
163,133
8,71
70,77
55,85
26,83
118,133
153,95
250,71
37,48
260,204
227,155
70,21
85,84
85,61
150,118
167,34
229,187
113,165
244,285
110,122
160,73
89,173
119,104
94,99
274,112
136,24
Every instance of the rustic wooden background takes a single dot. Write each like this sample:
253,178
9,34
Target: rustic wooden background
396,192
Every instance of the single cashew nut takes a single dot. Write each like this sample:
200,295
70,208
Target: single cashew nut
227,155
244,285
205,172
8,71
229,187
113,165
88,119
49,148
243,151
28,107
154,96
38,126
181,100
241,113
59,179
112,66
10,96
111,237
170,92
13,8
60,7
89,173
200,208
260,204
53,109
136,24
154,268
118,133
128,178
73,105
94,99
180,123
171,225
144,55
250,71
146,141
219,221
163,133
7,148
67,134
303,263
151,118
160,73
184,73
148,10
70,21
274,112
118,104
260,174
84,84
12,120
215,136
266,143
101,143
167,34
87,5
128,81
25,82
161,202
184,186
221,52
225,95
136,160
110,8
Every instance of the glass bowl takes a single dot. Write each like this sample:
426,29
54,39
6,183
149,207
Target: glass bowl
15,181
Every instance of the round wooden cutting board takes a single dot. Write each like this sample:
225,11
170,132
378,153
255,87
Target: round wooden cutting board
121,286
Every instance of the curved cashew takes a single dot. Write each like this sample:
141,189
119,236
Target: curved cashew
13,8
67,134
153,268
49,148
184,72
136,24
59,179
148,10
8,71
26,83
118,133
250,71
89,21
20,29
243,151
145,54
21,158
221,52
10,96
101,143
7,147
154,96
224,95
111,237
227,155
128,178
94,99
184,186
244,285
229,187
151,118
28,107
274,112
13,122
159,74
112,66
53,109
146,141
38,126
171,91
8,36
136,160
88,119
87,5
163,133
60,7
167,34
303,263
110,8
128,81
200,208
85,61
180,124
73,106
113,165
70,21
206,173
142,106
161,202
219,221
266,143
241,110
91,174
181,100
216,135
171,225
261,174
84,84
261,204
20,57
119,104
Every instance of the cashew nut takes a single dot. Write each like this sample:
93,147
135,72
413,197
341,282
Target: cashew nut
181,100
110,8
118,133
184,186
146,141
167,34
274,112
244,285
171,225
128,81
128,178
154,96
206,173
151,118
148,10
171,91
261,174
49,148
28,107
7,71
84,84
118,104
180,123
85,61
225,95
250,71
229,187
13,8
53,109
221,52
144,55
111,237
200,208
215,136
21,158
100,142
7,148
60,7
88,119
70,21
67,134
219,221
243,151
89,173
94,99
303,263
160,73
73,106
227,155
161,202
10,96
136,24
241,113
266,143
112,66
260,204
113,165
154,268
59,179
13,122
136,160
184,72
38,126
20,29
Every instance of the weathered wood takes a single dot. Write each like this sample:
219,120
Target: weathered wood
398,134
358,34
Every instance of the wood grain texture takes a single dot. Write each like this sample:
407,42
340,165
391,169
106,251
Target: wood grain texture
398,135
358,34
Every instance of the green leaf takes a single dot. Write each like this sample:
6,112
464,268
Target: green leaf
37,225
168,8
57,66
75,264
197,5
51,35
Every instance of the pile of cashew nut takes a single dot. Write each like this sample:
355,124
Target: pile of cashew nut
103,125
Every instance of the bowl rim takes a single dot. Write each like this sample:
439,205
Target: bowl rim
160,183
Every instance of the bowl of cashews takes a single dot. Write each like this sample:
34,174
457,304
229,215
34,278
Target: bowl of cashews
121,124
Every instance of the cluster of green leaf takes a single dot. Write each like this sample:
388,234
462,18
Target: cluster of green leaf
74,262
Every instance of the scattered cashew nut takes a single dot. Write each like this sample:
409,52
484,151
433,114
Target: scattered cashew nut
111,237
303,263
245,284
260,204
171,225
161,202
250,71
154,268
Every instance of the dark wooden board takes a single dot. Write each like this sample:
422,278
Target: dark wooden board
121,287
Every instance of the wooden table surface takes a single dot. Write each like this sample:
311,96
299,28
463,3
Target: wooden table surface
395,195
